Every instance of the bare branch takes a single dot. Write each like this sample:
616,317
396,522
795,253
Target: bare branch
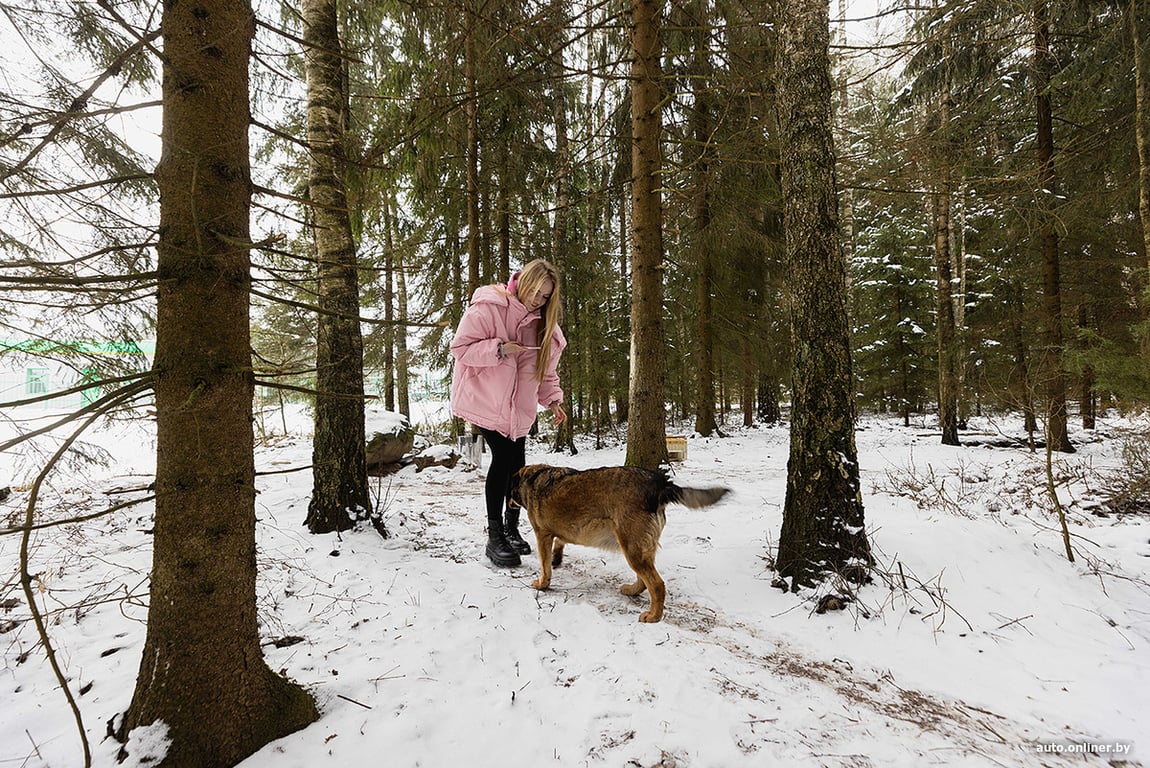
106,404
309,391
368,320
50,283
77,187
75,390
80,518
78,104
99,406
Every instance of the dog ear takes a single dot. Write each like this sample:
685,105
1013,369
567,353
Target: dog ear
514,487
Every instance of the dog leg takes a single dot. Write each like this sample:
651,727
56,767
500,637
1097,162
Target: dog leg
557,558
632,590
545,542
643,563
658,592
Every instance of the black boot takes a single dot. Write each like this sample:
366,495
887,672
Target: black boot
499,551
511,528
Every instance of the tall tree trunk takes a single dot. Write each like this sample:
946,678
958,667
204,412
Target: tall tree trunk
944,315
560,235
1051,277
503,215
202,673
397,320
944,302
769,411
402,357
646,425
846,196
455,309
1022,363
747,387
339,468
704,267
470,66
1086,397
944,305
560,232
958,273
1139,13
903,354
823,528
486,259
389,330
622,377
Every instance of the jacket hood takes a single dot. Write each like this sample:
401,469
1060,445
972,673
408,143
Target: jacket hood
492,294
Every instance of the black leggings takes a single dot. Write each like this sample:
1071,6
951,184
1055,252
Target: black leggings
507,457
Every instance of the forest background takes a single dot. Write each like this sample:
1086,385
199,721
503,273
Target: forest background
992,217
937,143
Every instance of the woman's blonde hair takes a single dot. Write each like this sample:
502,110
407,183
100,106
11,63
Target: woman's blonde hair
531,278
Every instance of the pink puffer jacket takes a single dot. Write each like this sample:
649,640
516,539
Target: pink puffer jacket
494,393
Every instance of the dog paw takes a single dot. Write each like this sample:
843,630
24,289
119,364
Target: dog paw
540,584
650,617
631,590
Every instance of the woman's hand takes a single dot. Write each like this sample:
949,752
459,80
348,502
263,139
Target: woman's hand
513,347
558,415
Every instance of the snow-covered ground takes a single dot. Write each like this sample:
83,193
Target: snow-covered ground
979,644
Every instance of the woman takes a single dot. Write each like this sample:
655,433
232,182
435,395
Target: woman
506,353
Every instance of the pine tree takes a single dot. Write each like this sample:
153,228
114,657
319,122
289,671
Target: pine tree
202,673
823,528
646,427
339,465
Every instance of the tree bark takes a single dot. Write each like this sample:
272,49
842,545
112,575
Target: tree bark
202,673
503,215
389,330
340,494
1056,426
944,277
622,372
747,383
1086,396
769,411
846,130
1022,363
402,356
1139,29
958,274
646,425
470,66
1139,15
823,528
944,306
560,234
704,268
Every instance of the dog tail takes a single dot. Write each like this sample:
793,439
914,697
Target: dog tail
695,498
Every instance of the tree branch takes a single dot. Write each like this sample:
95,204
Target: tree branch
107,403
98,406
79,519
75,108
75,188
331,313
51,283
79,388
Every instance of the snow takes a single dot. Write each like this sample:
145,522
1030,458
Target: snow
384,422
978,644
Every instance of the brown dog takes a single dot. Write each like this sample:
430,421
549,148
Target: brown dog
617,508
